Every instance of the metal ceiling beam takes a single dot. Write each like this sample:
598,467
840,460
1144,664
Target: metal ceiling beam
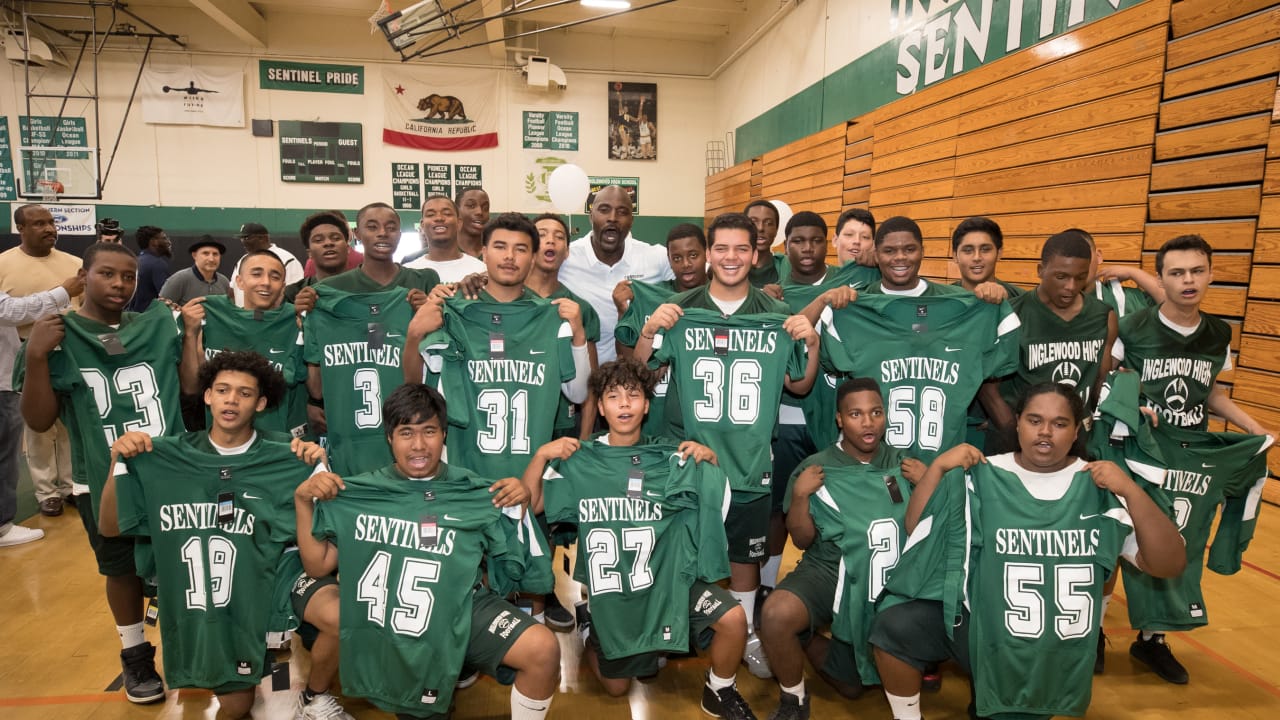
238,17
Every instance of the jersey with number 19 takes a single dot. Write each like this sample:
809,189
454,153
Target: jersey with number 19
930,354
217,536
729,373
500,366
113,380
357,339
409,553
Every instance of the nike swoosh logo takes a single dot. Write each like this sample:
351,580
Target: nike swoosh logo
247,496
274,351
452,518
651,493
537,352
1086,517
951,349
394,335
1205,465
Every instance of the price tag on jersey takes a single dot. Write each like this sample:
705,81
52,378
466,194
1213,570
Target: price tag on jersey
153,613
376,336
635,483
720,341
374,310
891,484
298,431
224,473
428,532
497,346
766,479
111,343
226,507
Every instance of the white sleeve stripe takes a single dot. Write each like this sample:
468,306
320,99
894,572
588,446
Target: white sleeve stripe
565,330
1151,473
923,528
825,496
657,339
1008,324
1120,515
1253,498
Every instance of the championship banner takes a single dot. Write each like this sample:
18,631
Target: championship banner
193,96
460,113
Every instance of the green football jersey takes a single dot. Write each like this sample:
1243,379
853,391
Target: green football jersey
648,525
930,355
110,381
819,405
217,538
410,554
1123,299
357,340
273,334
566,415
772,273
1051,349
648,296
860,510
500,367
1178,371
728,374
356,281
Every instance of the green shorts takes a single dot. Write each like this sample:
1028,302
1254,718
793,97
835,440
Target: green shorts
114,554
914,633
304,587
814,582
495,626
747,527
791,445
707,604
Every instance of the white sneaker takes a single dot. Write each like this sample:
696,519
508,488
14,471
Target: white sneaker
19,535
322,707
754,657
466,682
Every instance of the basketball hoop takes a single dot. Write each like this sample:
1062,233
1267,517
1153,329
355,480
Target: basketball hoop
49,190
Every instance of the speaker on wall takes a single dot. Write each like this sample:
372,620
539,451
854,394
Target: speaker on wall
263,128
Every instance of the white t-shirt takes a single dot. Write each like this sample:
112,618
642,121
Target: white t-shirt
450,271
594,281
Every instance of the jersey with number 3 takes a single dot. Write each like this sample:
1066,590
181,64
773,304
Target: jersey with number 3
217,535
930,355
357,339
500,367
729,373
102,395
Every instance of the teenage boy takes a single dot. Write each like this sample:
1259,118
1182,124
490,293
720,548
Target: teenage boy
104,371
473,214
214,572
440,252
844,503
855,238
976,246
660,593
732,350
412,536
327,239
767,268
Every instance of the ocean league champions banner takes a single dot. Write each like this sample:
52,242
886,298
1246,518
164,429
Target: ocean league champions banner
193,96
435,111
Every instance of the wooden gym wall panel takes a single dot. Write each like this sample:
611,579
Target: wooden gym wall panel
809,174
727,190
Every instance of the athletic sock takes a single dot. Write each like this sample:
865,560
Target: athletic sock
796,690
131,635
526,708
715,682
904,708
1106,601
1147,635
747,599
769,573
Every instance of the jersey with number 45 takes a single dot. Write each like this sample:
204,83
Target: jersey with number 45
729,373
113,380
356,340
930,355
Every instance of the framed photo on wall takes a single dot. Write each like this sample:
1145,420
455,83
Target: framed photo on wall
633,121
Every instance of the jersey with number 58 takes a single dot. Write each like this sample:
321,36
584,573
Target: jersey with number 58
111,381
500,366
930,355
357,339
729,373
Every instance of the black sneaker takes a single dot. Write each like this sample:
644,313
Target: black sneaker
557,617
142,684
1155,654
582,617
1100,661
725,703
791,708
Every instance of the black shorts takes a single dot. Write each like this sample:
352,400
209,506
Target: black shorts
114,554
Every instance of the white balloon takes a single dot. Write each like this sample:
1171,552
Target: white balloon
568,186
784,216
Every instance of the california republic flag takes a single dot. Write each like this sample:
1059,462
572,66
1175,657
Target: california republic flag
193,96
434,109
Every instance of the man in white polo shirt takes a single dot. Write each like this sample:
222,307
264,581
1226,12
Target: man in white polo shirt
608,255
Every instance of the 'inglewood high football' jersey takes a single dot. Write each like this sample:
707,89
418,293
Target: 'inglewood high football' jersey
110,381
500,367
648,296
729,374
357,340
218,525
930,355
648,526
409,553
860,508
273,334
1178,371
1051,349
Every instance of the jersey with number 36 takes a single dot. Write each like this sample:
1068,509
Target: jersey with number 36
729,373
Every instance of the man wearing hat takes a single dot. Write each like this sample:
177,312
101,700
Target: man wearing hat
255,237
202,279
